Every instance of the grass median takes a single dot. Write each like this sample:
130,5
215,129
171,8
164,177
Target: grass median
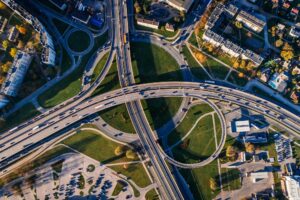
70,85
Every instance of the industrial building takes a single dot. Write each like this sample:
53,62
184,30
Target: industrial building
291,187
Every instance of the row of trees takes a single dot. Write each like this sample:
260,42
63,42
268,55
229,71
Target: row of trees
130,154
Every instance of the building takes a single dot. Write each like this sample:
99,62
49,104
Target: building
60,4
256,138
296,70
295,96
279,81
182,5
13,34
255,58
169,27
265,75
16,74
3,22
295,32
241,126
257,176
48,56
291,187
251,21
213,38
148,23
215,16
231,48
81,15
231,10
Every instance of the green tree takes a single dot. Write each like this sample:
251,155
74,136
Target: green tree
5,44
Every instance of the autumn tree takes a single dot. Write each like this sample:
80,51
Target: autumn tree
238,24
119,150
5,44
213,184
249,147
5,67
130,154
20,44
287,51
13,52
236,64
2,79
279,43
200,57
2,5
231,152
243,64
21,29
137,7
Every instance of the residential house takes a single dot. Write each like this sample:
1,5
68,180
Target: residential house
279,81
13,34
250,21
3,22
295,96
294,32
170,27
296,70
148,23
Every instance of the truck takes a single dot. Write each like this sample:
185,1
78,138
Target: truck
35,128
125,38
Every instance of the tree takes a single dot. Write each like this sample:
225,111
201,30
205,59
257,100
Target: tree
236,64
5,67
130,154
20,44
21,29
287,51
146,7
231,151
2,5
241,75
279,43
213,184
2,79
238,24
249,147
176,19
119,150
273,31
137,7
201,57
13,52
5,44
243,64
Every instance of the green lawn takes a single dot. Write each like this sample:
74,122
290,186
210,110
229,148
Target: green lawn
152,64
118,189
78,41
193,40
66,61
162,31
216,69
196,69
191,117
199,145
118,118
235,79
218,128
69,86
99,67
151,195
47,156
60,26
26,112
95,146
110,82
160,111
135,172
230,179
198,180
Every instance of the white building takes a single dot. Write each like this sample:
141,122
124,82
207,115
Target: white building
241,126
257,176
250,55
182,5
48,56
251,21
16,74
232,49
295,32
213,38
148,23
291,187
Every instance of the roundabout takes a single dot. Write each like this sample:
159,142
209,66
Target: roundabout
79,42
